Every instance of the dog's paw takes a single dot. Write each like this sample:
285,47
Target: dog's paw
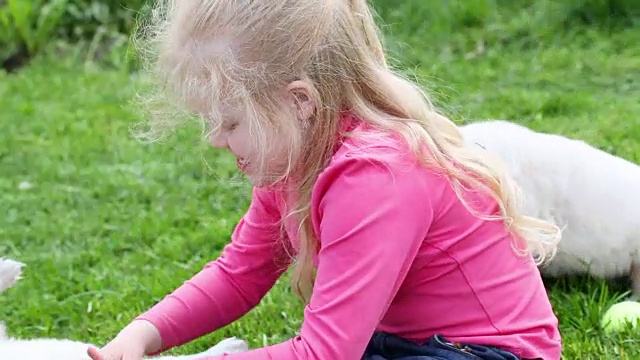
227,346
10,271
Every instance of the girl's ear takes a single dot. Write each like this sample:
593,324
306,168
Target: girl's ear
299,94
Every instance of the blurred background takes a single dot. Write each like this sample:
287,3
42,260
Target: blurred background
108,225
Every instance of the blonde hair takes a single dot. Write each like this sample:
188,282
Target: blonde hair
205,53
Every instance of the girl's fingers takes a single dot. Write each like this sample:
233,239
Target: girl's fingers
132,357
94,354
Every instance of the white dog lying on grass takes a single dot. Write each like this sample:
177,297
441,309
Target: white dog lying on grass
61,349
593,195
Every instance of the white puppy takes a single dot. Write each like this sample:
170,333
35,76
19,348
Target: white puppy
62,349
593,195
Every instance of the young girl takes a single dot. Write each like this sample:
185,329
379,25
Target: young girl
407,244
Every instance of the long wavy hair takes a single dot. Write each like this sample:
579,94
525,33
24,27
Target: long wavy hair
203,54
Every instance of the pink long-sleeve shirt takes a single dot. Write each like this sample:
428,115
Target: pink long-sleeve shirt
399,252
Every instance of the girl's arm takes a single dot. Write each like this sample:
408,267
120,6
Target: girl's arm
372,218
227,288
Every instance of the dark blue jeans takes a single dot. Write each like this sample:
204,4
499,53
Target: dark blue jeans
385,346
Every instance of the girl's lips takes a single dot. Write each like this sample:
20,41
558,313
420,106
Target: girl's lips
242,164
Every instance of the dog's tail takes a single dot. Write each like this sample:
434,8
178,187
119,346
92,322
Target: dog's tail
10,271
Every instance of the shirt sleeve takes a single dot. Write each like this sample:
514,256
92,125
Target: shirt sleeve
227,288
372,218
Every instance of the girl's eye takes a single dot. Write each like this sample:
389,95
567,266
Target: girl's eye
228,125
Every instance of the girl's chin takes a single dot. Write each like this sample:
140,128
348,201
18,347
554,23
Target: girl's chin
263,181
260,182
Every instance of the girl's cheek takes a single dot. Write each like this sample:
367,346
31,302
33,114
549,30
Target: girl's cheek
236,145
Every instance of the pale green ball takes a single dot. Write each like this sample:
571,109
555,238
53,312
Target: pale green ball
618,315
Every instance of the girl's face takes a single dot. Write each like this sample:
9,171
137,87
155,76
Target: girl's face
235,135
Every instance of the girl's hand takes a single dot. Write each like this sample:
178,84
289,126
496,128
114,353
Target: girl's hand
95,354
118,354
132,343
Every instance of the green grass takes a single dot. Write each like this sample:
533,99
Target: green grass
111,225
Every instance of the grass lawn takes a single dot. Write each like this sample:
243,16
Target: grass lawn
108,226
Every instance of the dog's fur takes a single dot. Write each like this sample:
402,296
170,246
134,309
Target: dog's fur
591,194
62,349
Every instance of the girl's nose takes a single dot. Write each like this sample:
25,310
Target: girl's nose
218,140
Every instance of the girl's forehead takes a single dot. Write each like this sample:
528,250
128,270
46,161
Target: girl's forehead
218,113
211,105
